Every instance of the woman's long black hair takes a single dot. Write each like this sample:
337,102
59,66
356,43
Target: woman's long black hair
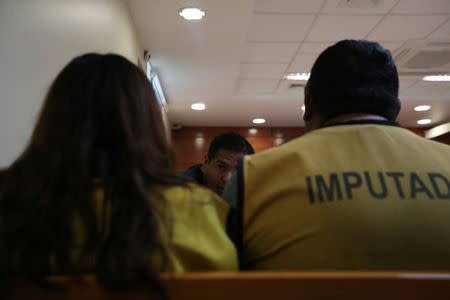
100,125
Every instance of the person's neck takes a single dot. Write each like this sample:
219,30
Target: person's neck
353,117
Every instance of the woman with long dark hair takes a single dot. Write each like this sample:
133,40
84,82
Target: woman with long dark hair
93,191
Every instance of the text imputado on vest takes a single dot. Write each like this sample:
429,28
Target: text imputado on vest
379,185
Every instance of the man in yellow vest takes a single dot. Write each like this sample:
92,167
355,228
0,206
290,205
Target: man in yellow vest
357,192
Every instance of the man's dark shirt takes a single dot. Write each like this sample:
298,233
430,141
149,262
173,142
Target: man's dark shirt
193,172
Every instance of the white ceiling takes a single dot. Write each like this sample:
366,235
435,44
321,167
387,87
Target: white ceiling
234,59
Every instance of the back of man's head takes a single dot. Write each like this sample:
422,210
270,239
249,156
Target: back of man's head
230,141
354,77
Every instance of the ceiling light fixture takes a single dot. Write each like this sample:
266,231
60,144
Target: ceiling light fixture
442,77
422,108
192,13
296,76
198,106
424,121
259,121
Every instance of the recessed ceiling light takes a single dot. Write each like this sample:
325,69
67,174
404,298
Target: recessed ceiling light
192,13
422,108
278,141
442,77
198,106
199,141
424,121
259,121
303,107
296,76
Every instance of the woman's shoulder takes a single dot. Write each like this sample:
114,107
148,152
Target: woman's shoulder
190,191
193,199
193,193
199,239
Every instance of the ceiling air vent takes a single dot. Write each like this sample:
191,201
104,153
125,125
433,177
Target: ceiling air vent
359,3
296,85
423,58
428,59
439,44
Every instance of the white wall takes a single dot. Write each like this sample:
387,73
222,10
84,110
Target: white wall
37,39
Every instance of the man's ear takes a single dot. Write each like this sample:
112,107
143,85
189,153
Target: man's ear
205,162
308,105
203,168
205,159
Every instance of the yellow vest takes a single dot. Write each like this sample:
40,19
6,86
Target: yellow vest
198,239
349,197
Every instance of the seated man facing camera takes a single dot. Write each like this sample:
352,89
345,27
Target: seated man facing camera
358,191
220,162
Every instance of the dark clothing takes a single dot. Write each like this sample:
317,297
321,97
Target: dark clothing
193,172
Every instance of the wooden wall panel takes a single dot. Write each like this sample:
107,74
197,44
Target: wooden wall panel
418,131
445,138
191,143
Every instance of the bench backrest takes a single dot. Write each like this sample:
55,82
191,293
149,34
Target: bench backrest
262,286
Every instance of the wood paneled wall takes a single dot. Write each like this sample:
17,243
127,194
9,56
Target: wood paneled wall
445,138
191,143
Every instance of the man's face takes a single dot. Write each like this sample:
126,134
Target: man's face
218,170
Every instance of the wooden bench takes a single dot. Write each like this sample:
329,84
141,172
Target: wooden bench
262,286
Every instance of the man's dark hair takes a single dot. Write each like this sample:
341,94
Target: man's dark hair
231,141
354,77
